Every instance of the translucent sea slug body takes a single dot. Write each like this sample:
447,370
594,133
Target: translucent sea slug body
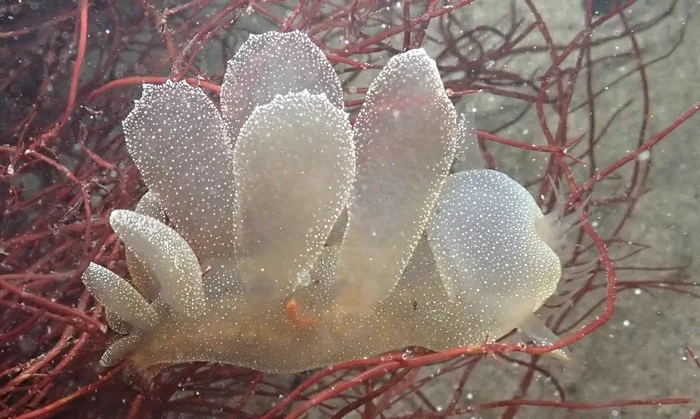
307,242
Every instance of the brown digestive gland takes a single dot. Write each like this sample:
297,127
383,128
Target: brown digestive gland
427,258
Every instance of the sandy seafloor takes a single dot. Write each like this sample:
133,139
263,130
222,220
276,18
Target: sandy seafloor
641,352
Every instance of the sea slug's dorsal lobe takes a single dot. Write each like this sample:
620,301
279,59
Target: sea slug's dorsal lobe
173,263
178,140
274,64
140,273
405,139
487,250
173,266
294,167
122,299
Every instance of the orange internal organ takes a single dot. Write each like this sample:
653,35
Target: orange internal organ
297,317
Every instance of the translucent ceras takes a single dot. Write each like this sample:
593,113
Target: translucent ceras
277,236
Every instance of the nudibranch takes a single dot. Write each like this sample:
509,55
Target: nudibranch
277,236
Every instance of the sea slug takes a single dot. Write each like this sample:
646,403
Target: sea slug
277,236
